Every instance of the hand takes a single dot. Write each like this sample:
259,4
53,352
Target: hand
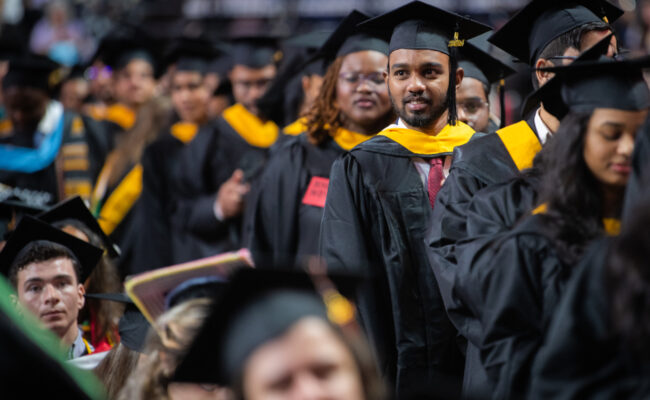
230,198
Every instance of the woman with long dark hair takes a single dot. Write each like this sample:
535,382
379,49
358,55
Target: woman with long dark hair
353,105
585,171
597,344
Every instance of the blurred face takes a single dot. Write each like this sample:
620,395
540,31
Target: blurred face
418,82
308,362
50,290
249,84
100,81
609,143
190,96
135,83
25,106
361,91
472,104
73,93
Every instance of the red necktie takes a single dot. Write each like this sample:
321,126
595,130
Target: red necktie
434,182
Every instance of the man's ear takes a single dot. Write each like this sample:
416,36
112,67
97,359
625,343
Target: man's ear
81,291
460,73
542,76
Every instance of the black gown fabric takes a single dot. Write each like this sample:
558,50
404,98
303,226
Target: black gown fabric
285,227
374,222
513,287
581,357
158,245
204,165
640,176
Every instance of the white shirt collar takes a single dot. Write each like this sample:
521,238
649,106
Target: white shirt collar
542,130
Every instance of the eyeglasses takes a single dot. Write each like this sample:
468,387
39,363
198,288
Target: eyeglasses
353,78
472,106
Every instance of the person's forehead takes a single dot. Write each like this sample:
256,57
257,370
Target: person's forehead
417,56
47,270
471,87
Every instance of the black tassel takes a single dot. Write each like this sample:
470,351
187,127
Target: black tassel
451,90
502,102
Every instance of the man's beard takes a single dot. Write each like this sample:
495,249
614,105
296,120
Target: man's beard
420,120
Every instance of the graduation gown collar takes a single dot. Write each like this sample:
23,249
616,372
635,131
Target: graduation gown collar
121,115
399,141
184,131
296,128
347,139
252,129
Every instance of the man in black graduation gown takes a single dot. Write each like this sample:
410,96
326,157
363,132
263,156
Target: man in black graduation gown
216,168
45,152
157,244
544,33
380,197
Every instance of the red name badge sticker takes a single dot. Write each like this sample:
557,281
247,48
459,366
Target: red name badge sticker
316,192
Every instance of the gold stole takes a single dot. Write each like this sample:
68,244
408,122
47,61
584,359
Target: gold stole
296,128
250,127
121,115
347,140
184,131
521,143
421,143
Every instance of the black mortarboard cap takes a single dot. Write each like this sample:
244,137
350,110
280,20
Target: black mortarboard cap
477,61
349,38
420,26
33,70
126,43
75,212
12,38
258,306
31,229
590,83
191,54
528,33
133,327
255,51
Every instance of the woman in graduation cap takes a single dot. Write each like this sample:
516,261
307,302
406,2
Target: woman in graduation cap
283,335
515,282
157,244
352,106
597,344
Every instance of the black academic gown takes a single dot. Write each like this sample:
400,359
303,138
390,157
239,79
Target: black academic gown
204,165
513,287
581,358
157,244
287,219
374,223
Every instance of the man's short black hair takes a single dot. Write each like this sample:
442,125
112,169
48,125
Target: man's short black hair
39,251
558,46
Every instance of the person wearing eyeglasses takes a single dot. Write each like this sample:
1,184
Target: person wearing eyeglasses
216,168
482,71
352,106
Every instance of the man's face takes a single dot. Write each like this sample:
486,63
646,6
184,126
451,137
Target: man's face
25,106
73,93
190,96
50,290
472,104
250,84
101,82
135,83
417,82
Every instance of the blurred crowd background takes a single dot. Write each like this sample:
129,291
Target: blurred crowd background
68,31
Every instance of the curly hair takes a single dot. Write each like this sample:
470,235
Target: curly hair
569,189
324,117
